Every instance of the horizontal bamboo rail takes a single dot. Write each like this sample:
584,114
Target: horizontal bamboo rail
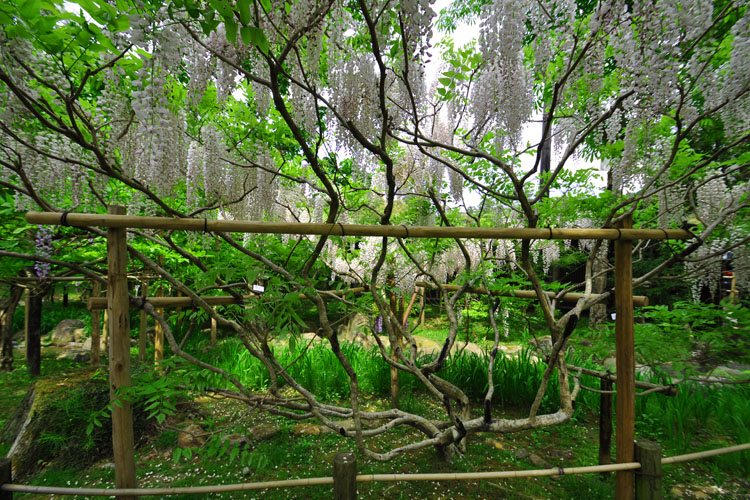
62,279
362,478
96,303
704,454
638,300
668,390
169,223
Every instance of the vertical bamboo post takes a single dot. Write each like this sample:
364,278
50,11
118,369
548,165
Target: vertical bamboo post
605,424
421,306
648,478
27,304
345,476
34,337
178,319
96,318
6,477
142,327
158,331
213,330
625,352
119,354
104,340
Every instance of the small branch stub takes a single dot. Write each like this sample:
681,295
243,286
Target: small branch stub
345,476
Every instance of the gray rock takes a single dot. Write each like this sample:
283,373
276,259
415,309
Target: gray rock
539,462
522,454
68,330
191,436
263,432
236,440
356,330
102,345
77,356
561,454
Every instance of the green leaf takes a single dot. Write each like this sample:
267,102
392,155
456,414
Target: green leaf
445,81
231,28
30,9
243,6
246,34
259,39
266,5
176,455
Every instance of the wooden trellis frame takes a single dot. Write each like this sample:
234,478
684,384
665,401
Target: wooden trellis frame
117,223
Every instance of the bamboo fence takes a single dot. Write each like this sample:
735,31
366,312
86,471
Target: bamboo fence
361,478
117,223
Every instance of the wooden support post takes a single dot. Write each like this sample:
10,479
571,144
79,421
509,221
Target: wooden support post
142,327
394,341
105,330
34,337
6,477
421,305
119,354
178,319
26,304
345,476
159,333
65,296
96,327
605,424
625,363
648,477
213,330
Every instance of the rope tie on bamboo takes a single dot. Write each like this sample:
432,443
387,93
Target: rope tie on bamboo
342,229
64,218
205,225
406,229
141,302
666,235
550,232
619,233
560,471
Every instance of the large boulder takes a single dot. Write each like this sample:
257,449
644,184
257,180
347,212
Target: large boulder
67,331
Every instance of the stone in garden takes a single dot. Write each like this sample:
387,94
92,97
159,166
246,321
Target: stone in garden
561,454
77,356
356,330
543,344
522,454
539,462
68,330
236,440
102,346
19,335
263,432
191,436
307,429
